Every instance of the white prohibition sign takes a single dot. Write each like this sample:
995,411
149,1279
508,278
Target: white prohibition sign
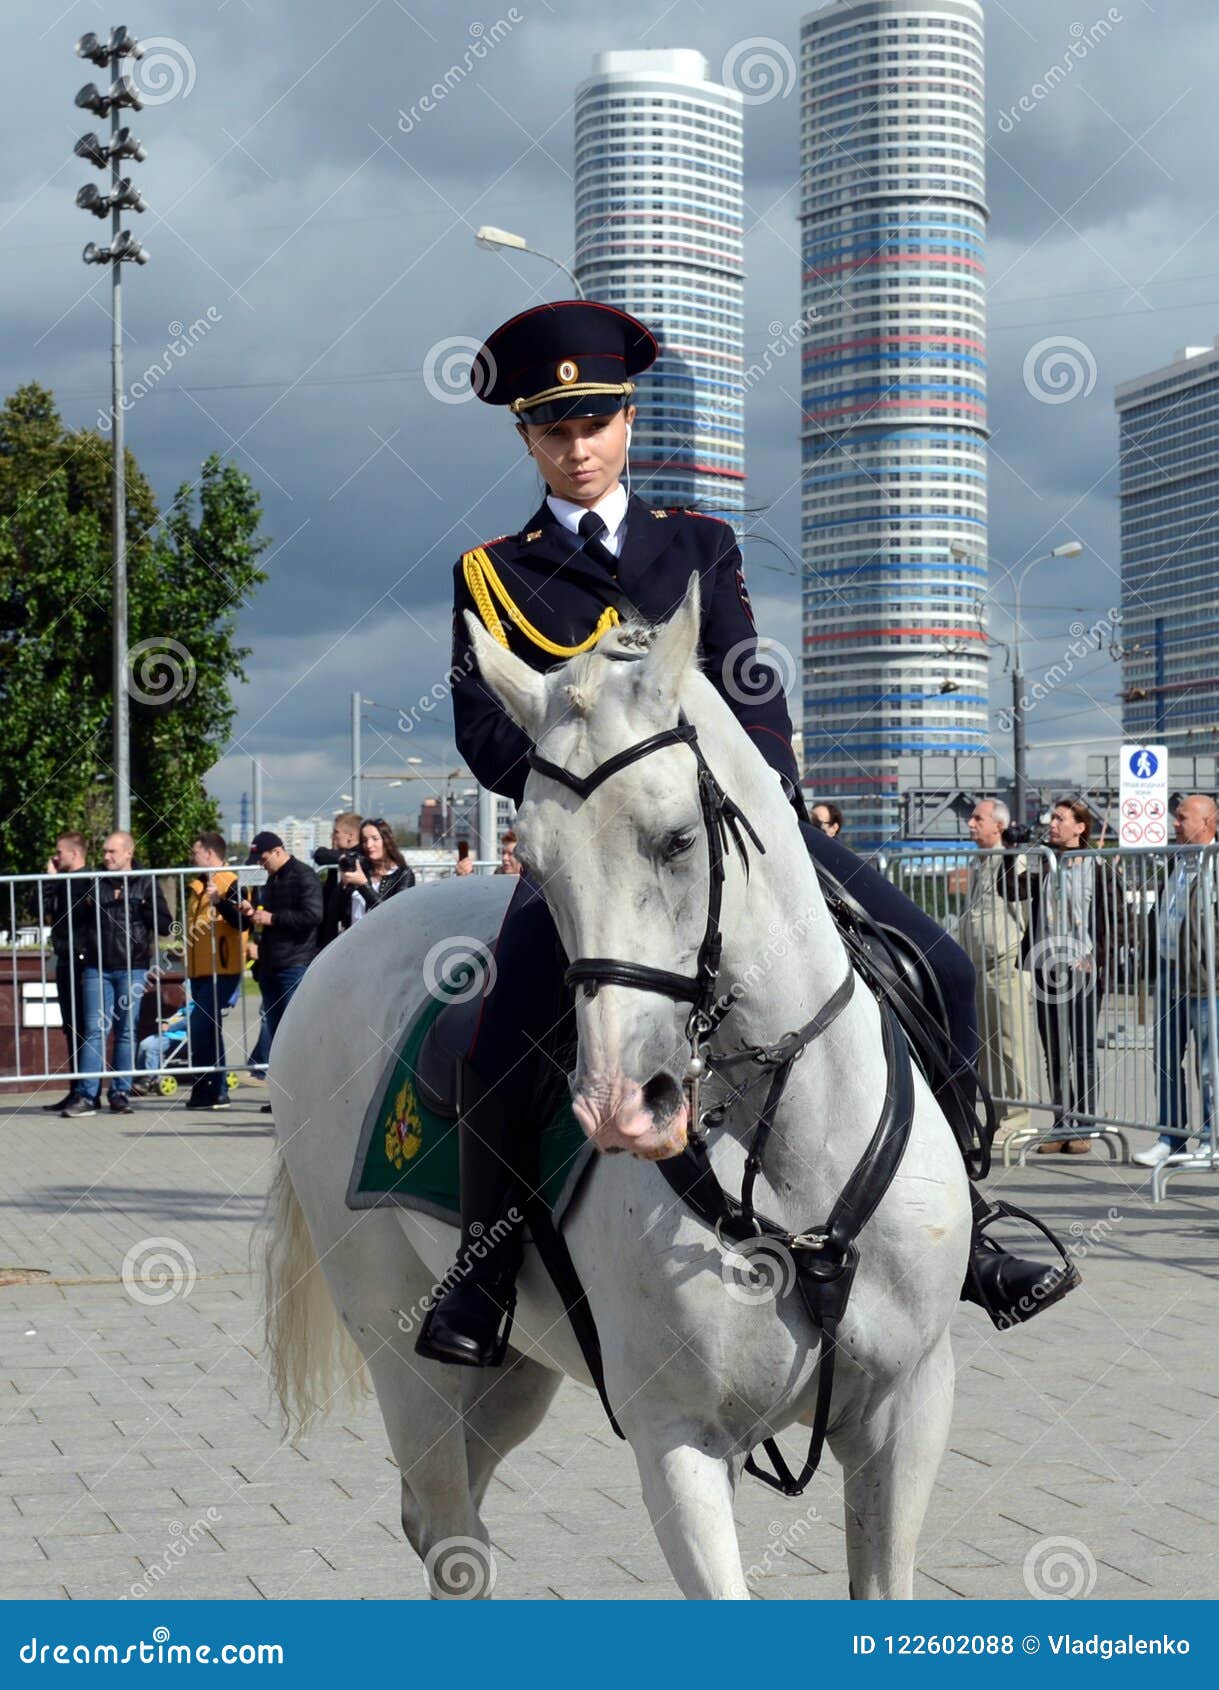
1154,833
1132,832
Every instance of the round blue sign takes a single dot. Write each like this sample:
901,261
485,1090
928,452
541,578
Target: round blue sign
1143,764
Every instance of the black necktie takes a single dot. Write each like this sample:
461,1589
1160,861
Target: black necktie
593,531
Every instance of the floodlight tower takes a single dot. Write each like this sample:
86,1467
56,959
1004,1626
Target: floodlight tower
123,249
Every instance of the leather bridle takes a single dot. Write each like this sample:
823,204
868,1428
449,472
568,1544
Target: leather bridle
724,823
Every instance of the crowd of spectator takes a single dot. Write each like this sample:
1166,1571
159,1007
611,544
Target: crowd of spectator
1049,936
104,929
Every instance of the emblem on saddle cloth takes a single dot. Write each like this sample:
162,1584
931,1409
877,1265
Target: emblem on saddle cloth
404,1135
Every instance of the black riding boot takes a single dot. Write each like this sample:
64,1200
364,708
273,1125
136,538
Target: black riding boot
1008,1287
470,1322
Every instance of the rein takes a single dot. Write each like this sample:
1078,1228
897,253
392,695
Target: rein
826,1257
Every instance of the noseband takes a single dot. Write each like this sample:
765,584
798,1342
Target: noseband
724,822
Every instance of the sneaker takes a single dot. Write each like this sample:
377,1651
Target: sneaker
206,1103
80,1106
1159,1152
120,1103
59,1105
265,1110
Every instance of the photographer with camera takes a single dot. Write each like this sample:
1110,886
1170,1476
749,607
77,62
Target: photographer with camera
337,858
992,932
376,873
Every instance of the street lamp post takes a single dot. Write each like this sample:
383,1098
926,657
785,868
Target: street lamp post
1020,784
1070,548
492,239
123,249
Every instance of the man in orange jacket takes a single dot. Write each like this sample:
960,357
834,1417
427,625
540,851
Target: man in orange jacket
215,957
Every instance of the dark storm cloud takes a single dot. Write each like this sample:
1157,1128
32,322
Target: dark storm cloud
317,190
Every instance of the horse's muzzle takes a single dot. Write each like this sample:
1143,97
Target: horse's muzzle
649,1120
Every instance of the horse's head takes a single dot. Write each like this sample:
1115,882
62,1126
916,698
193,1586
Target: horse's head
624,868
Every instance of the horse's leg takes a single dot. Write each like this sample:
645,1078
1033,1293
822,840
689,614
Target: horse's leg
889,1461
689,1495
504,1406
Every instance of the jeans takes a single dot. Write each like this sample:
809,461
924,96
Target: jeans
112,999
70,992
1178,1016
277,990
210,996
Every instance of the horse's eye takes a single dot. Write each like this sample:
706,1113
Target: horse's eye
676,845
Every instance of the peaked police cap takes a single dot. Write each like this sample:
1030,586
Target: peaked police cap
569,358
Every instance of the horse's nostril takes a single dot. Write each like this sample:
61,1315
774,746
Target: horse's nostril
663,1096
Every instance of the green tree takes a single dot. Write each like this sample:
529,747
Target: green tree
189,574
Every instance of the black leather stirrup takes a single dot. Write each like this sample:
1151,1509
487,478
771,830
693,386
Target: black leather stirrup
470,1322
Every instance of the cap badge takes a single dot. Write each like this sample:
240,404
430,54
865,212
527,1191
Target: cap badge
568,371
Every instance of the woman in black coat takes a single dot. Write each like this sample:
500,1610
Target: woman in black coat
380,872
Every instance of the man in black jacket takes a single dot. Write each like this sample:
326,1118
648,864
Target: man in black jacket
285,919
122,913
61,910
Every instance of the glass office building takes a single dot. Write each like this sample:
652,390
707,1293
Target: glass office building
894,523
1169,492
658,192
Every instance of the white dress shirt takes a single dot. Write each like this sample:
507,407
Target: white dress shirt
611,509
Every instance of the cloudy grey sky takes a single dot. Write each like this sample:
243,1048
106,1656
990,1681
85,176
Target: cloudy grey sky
332,241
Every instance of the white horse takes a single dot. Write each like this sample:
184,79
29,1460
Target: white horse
698,1370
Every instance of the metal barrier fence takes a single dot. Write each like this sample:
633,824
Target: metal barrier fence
1096,990
1096,984
132,977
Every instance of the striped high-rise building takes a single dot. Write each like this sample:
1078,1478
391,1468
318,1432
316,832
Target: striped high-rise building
1169,421
894,396
658,190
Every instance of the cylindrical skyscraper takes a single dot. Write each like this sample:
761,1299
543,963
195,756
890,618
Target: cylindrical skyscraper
658,190
894,395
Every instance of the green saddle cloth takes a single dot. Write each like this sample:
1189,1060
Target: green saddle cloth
407,1155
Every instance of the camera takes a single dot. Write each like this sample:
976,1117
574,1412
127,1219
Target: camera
1017,833
348,862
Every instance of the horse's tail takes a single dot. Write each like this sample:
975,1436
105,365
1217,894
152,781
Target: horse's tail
313,1357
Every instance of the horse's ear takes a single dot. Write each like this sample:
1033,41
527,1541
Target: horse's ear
673,650
520,689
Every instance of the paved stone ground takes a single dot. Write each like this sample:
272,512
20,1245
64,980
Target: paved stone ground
137,1438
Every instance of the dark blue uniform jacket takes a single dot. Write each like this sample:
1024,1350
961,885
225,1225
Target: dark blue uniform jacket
563,590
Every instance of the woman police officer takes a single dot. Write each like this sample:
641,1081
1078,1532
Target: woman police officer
590,556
